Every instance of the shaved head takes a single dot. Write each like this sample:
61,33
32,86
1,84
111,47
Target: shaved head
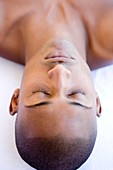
54,153
56,124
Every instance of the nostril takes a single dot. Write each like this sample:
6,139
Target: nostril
59,70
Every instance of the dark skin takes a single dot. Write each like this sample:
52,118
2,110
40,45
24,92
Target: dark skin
24,28
57,42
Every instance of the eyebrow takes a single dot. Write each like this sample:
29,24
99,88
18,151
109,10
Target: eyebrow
79,104
71,103
40,104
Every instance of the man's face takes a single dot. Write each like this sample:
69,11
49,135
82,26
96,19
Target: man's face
57,94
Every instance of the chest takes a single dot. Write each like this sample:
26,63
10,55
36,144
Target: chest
37,19
97,18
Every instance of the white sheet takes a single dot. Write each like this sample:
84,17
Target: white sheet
102,155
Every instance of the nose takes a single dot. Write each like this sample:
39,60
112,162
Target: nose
60,76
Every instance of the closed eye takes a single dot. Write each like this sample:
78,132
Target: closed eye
45,92
41,91
77,92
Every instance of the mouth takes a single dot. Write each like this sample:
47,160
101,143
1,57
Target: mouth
58,57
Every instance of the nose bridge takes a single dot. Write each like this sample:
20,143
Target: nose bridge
59,76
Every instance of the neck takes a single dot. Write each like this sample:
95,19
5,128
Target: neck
60,26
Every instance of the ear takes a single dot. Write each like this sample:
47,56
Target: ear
98,106
14,102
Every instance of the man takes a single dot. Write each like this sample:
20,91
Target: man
57,104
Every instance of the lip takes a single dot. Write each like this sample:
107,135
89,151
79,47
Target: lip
58,57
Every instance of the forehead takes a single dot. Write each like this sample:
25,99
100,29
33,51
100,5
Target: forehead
60,107
58,118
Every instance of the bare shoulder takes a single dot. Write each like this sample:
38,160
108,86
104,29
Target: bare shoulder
13,13
98,19
101,35
11,46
